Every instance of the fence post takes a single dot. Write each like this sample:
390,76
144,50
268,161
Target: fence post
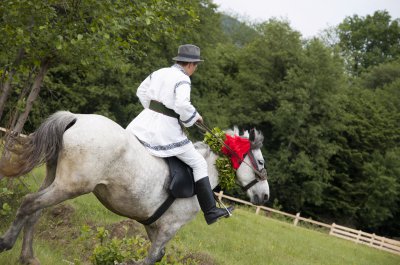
296,220
358,236
258,210
332,229
220,195
372,240
382,242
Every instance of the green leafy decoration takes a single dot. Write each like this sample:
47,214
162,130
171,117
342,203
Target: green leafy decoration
226,173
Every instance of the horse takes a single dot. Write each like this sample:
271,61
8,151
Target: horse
87,153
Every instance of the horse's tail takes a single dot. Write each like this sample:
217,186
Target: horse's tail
39,147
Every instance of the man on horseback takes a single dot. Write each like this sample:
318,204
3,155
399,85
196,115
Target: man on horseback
165,96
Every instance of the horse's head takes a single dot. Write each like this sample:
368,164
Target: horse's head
252,173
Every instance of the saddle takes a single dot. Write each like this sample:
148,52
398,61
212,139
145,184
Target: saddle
180,185
182,180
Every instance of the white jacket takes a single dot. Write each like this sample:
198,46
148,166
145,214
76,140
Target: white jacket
161,134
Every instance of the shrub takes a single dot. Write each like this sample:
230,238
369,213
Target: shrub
108,251
11,194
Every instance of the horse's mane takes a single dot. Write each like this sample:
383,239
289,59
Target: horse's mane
256,137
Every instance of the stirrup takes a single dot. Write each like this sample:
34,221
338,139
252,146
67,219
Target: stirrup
226,208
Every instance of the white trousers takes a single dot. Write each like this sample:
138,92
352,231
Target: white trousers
196,161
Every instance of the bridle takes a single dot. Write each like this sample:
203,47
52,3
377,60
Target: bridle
261,174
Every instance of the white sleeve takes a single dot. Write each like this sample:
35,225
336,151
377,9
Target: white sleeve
141,92
187,112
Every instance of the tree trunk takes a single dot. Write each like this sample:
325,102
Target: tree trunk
25,91
37,83
6,91
6,88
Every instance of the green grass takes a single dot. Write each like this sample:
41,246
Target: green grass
47,253
245,238
250,239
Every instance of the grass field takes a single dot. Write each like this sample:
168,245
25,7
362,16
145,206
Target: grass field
244,239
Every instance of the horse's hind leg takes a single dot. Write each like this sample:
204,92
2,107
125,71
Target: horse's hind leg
27,255
32,203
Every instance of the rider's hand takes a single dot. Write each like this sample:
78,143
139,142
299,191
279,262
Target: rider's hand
200,120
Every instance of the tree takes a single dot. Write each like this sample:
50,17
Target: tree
263,65
85,34
369,41
381,75
287,88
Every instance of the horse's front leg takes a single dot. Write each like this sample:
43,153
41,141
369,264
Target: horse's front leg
159,236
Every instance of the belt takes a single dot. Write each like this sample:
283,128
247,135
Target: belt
161,108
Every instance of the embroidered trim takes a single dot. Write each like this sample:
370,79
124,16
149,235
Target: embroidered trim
181,83
191,117
166,147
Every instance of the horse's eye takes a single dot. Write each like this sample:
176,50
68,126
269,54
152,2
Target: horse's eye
260,162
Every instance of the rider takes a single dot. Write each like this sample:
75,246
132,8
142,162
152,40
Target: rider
165,96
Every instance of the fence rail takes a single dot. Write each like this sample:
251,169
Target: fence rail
361,237
356,236
4,130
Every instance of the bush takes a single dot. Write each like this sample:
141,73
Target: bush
108,251
11,193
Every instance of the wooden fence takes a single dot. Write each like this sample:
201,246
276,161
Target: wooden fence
356,236
361,237
4,130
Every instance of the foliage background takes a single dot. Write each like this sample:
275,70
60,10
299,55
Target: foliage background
329,106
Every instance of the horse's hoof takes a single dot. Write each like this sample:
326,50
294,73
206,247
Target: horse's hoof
4,246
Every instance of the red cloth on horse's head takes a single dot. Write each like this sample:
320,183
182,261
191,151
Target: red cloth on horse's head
239,145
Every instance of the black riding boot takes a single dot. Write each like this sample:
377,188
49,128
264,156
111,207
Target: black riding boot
205,196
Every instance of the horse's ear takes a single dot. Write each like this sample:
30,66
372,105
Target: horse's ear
252,135
235,130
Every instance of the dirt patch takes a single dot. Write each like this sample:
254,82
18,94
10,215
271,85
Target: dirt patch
62,212
126,228
56,224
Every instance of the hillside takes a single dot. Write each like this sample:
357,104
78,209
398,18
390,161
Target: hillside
67,234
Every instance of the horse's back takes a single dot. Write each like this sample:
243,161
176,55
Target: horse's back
96,150
91,147
92,128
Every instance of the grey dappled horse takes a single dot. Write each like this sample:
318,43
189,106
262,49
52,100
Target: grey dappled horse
90,153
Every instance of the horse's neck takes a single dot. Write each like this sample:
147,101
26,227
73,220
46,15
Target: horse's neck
212,170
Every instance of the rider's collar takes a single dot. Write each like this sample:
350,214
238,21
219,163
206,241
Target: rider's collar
180,68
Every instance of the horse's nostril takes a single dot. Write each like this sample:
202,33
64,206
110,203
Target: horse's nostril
266,198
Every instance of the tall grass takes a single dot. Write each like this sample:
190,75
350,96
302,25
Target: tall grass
245,238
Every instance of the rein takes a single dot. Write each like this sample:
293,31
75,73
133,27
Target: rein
260,174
